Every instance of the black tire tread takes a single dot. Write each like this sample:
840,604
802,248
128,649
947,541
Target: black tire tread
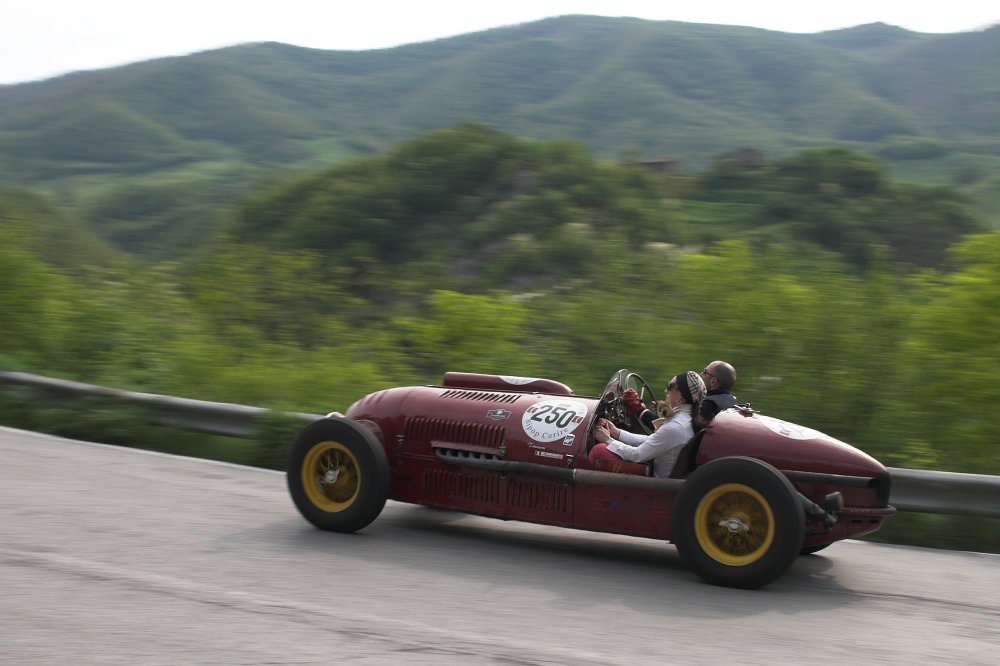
374,467
776,490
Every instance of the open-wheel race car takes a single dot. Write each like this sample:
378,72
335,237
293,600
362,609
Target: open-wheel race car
747,495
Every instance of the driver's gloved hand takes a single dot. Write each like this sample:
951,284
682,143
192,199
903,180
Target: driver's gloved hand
632,401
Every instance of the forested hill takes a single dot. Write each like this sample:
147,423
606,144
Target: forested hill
620,86
156,156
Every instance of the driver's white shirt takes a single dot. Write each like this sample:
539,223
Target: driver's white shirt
662,447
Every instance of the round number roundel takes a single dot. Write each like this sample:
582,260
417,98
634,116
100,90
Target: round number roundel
518,381
789,429
549,420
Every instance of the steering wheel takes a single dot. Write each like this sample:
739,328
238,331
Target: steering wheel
615,409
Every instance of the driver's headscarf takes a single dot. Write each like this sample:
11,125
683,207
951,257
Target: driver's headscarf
691,386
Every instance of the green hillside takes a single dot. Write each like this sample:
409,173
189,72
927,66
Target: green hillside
225,123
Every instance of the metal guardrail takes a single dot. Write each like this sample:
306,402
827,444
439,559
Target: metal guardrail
920,491
217,418
954,493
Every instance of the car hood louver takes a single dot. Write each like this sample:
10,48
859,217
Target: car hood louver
481,396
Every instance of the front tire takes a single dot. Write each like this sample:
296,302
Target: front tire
338,475
738,523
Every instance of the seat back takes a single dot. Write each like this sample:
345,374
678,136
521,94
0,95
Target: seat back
685,462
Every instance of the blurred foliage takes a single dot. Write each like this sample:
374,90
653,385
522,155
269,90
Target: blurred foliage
844,201
848,302
30,222
89,417
512,210
972,533
273,436
157,220
517,212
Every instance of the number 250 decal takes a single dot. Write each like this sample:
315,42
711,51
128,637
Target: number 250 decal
550,420
560,416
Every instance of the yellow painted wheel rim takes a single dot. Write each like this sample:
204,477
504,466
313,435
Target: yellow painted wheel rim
331,476
734,525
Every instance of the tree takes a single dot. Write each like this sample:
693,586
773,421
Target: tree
466,333
281,295
946,377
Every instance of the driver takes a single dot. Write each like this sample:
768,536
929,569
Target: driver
684,395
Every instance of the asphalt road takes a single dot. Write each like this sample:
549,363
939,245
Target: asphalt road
116,556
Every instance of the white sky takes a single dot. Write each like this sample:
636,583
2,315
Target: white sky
44,38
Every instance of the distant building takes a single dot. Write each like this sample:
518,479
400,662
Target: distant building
744,158
666,166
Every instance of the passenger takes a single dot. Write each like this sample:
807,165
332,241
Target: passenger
719,378
683,395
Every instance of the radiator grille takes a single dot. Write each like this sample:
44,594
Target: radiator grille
420,428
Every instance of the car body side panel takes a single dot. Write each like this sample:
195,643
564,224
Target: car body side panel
637,512
484,492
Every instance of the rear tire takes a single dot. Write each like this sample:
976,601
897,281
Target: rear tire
738,523
338,475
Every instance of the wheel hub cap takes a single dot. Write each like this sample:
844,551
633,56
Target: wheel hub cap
331,476
734,525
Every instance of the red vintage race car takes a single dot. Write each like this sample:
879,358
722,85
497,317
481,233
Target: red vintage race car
747,495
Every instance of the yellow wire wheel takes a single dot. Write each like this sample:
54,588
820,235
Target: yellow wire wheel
331,476
734,524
